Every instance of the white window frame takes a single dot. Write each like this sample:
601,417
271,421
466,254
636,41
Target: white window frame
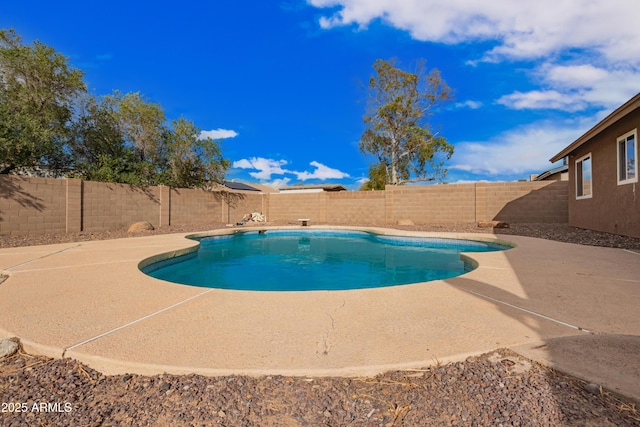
580,163
623,139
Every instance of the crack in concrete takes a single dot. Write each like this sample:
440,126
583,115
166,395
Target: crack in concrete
323,346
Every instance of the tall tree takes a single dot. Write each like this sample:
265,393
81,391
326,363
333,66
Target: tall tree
193,161
123,138
142,125
98,149
37,92
141,122
397,130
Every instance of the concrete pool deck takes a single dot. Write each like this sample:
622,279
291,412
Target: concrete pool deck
572,307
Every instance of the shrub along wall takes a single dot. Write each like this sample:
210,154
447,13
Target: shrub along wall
40,205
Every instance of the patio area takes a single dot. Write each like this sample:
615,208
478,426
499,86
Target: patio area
571,306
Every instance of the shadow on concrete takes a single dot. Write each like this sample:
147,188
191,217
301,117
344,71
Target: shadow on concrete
580,300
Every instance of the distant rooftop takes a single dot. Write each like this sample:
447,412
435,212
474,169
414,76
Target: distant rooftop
315,187
551,172
242,186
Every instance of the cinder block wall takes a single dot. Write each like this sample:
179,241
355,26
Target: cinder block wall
285,207
241,203
107,206
366,207
32,205
41,205
195,206
539,201
440,204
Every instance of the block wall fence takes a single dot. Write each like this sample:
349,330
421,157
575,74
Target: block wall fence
46,205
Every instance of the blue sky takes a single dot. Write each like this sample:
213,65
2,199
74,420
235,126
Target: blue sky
282,83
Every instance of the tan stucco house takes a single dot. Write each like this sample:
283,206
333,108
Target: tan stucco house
604,194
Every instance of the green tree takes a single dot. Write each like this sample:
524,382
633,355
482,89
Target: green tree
397,130
123,138
377,177
120,138
193,161
37,92
98,148
141,122
50,124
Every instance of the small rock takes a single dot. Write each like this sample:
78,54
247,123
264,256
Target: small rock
592,388
8,348
140,226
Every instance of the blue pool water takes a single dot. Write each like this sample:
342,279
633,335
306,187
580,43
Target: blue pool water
300,260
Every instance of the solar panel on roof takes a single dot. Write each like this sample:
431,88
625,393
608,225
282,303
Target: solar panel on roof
239,186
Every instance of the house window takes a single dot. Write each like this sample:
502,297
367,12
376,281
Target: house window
583,177
627,158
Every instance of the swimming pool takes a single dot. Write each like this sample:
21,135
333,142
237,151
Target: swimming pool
305,260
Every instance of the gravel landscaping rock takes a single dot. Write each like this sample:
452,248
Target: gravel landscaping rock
481,391
8,347
500,388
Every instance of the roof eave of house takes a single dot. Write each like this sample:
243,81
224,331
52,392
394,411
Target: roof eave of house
616,115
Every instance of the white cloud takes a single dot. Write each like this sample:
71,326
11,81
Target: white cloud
575,76
242,164
549,99
473,105
590,51
576,88
321,172
267,167
523,150
278,183
218,134
523,29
